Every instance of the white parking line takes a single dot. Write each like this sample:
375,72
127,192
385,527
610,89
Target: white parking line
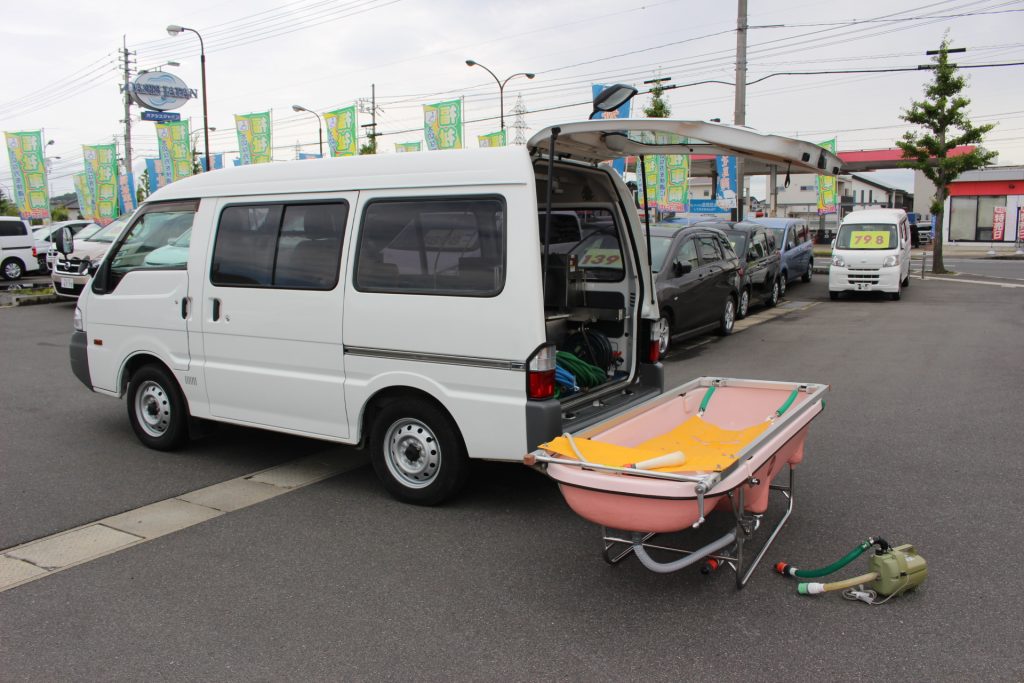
938,278
57,552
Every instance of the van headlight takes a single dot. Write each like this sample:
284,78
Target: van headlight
839,261
890,261
79,325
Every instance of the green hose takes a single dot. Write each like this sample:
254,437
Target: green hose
587,375
788,570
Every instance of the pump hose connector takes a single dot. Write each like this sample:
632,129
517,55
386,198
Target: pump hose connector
789,570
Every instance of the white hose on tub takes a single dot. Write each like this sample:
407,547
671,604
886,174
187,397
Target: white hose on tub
683,562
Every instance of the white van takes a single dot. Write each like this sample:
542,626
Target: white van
871,253
409,303
17,249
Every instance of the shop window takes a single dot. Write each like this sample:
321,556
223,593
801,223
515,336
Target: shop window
963,213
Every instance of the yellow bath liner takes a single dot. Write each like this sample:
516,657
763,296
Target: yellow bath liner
707,447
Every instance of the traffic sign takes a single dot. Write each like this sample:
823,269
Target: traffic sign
161,116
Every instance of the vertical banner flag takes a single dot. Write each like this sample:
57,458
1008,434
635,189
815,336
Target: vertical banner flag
998,223
828,199
651,173
218,161
101,177
155,171
725,193
254,139
28,173
492,139
621,113
407,147
85,203
309,155
126,189
342,137
175,149
677,183
442,125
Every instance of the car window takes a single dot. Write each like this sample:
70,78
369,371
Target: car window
727,248
439,246
709,250
12,229
687,253
757,247
659,250
151,231
866,236
283,246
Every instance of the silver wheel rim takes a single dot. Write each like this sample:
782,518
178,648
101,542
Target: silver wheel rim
775,292
744,302
12,271
810,271
153,409
412,453
730,314
664,336
782,286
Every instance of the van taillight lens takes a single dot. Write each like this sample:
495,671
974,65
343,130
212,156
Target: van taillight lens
35,254
654,351
540,373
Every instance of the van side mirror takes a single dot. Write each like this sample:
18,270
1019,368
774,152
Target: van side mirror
679,268
833,244
65,241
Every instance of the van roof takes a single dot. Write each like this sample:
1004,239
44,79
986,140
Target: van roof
869,215
484,166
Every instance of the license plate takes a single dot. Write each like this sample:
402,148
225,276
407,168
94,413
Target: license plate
67,283
862,285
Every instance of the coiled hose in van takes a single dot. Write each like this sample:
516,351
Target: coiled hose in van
586,375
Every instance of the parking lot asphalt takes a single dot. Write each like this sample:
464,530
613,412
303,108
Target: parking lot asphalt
919,443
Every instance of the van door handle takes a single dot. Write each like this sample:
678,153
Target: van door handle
185,303
216,310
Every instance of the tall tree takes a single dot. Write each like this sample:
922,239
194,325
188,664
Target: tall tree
658,108
142,187
942,116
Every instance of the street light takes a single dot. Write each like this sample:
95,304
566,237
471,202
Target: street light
158,68
320,127
209,161
174,30
501,85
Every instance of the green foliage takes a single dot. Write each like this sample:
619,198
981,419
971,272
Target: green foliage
942,116
658,108
370,147
142,187
7,207
58,213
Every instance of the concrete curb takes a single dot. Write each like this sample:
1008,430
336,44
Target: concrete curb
10,299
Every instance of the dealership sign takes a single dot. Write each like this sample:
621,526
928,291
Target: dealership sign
161,116
159,91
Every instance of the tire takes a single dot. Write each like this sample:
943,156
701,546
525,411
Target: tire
417,452
806,277
743,307
728,320
773,298
11,269
665,341
895,296
157,409
833,295
783,284
906,281
43,269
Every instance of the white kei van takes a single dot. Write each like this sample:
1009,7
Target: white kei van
409,303
871,253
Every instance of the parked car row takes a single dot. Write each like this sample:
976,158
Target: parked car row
17,250
710,273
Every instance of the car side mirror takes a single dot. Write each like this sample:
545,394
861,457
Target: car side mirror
65,241
679,268
833,244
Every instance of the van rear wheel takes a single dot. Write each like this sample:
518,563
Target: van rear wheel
417,452
156,409
11,269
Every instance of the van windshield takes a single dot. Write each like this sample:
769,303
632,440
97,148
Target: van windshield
867,236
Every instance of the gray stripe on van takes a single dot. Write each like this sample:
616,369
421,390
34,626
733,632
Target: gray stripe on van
447,359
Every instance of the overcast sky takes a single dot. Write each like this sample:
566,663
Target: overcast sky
61,64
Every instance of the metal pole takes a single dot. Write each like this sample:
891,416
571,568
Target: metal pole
740,113
206,123
774,180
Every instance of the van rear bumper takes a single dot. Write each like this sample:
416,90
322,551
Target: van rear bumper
79,351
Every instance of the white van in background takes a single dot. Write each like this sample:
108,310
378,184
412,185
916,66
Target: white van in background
871,253
409,303
17,248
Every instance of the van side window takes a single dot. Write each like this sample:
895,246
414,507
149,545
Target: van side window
12,229
158,239
288,246
450,247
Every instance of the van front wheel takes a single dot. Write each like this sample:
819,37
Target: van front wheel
156,409
418,453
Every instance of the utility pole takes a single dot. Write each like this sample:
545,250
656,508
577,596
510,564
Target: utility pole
126,57
519,123
372,111
739,117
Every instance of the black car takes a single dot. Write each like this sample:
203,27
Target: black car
697,278
760,262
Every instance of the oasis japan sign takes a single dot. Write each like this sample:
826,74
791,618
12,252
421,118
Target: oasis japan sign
159,91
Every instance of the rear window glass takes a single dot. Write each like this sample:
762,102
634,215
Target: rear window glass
867,236
12,229
453,247
598,251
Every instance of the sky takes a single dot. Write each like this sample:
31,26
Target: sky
61,70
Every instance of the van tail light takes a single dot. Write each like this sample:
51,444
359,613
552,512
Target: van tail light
654,351
35,252
657,329
540,373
